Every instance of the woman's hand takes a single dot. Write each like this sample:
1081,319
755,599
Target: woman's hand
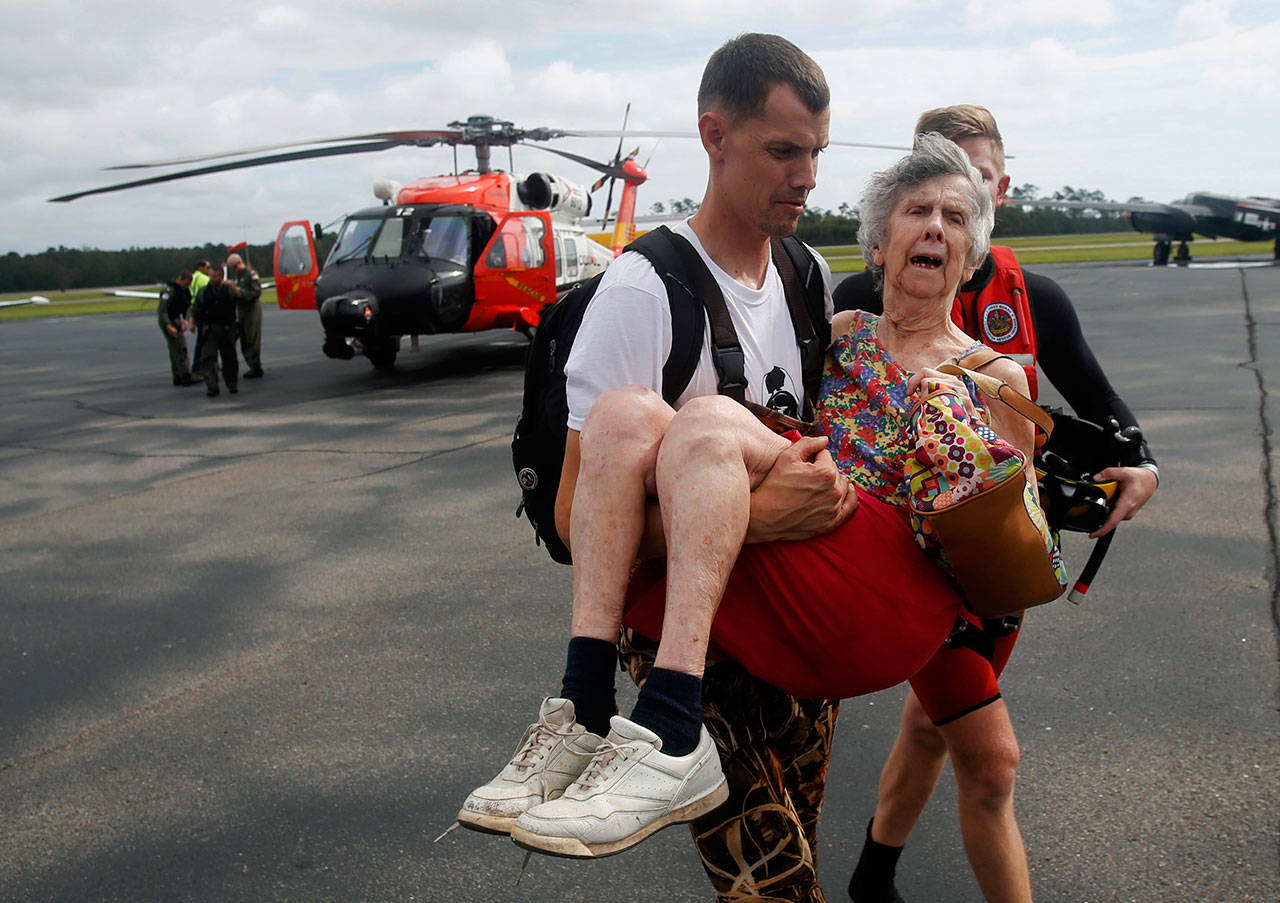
926,380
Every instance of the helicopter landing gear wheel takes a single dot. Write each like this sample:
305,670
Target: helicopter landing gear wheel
1160,254
382,353
1184,254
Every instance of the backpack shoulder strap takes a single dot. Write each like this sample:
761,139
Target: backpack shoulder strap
681,266
815,295
806,300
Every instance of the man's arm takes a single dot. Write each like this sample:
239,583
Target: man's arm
252,291
804,495
1069,363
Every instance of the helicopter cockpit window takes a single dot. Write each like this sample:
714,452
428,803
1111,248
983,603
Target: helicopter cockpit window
518,244
390,239
532,252
355,239
295,252
444,238
571,258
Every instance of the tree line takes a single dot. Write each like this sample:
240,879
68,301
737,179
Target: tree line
65,268
821,227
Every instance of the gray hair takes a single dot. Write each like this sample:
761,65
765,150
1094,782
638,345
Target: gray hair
930,157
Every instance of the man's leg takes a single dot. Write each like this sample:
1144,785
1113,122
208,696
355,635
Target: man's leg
209,361
984,753
959,690
910,775
759,845
251,336
230,364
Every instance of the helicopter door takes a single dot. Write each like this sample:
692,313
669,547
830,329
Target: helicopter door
516,274
296,267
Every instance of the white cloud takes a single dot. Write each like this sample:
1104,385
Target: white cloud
1128,109
1205,17
1001,15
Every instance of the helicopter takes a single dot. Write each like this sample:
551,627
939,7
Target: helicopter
1199,213
476,250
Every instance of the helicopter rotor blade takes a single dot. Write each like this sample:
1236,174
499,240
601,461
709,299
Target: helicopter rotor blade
437,136
617,155
863,144
237,164
608,205
606,168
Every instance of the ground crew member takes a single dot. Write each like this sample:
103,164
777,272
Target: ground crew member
199,279
248,291
217,315
175,301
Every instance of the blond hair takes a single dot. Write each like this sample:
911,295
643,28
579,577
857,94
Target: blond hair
963,120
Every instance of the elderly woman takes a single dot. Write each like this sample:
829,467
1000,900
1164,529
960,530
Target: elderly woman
855,611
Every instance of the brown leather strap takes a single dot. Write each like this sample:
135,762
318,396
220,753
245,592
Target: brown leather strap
998,388
979,358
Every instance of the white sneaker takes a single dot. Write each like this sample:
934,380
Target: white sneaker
553,752
629,791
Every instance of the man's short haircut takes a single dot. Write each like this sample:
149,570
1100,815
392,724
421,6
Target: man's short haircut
201,263
185,274
964,120
739,76
932,156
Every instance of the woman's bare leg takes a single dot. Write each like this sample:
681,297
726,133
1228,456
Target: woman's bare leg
714,453
619,449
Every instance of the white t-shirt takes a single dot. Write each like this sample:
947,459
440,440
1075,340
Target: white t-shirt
625,336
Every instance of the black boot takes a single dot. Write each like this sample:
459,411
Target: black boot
872,880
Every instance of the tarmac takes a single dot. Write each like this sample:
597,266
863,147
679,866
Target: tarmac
259,647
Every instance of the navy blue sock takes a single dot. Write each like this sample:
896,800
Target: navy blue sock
588,682
670,705
872,880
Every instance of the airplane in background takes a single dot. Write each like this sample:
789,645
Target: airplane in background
1199,213
18,302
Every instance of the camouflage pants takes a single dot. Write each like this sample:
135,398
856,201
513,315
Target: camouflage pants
761,845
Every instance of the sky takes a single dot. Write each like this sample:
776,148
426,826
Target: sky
1149,99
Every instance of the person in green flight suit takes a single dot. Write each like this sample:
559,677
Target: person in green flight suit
175,300
248,291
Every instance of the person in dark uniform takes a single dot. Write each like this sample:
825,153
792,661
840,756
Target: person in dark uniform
955,708
199,279
248,291
175,301
216,313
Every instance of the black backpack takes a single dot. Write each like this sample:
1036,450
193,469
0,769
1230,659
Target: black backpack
537,449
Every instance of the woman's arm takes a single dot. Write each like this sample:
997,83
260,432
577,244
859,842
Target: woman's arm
1011,426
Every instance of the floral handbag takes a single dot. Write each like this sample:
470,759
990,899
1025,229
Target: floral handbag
972,505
